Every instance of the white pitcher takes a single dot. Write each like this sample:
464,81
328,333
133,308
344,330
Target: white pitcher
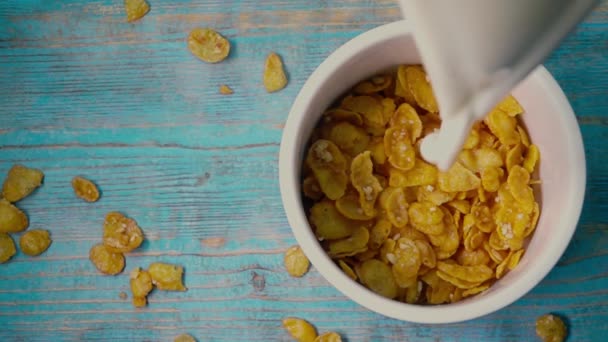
476,51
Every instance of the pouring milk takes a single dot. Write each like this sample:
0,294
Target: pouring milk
476,51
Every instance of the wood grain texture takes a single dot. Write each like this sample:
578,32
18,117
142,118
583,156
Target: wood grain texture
84,93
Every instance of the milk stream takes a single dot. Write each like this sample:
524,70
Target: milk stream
476,51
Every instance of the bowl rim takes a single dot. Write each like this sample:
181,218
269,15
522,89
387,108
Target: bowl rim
292,202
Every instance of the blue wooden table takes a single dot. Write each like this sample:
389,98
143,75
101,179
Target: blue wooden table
82,92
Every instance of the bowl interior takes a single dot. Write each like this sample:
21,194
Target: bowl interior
550,123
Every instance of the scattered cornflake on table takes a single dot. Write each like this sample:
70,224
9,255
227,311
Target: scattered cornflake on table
226,90
85,189
208,45
167,277
12,219
275,78
329,337
551,328
20,182
184,338
296,262
300,329
141,285
34,242
106,261
7,247
136,9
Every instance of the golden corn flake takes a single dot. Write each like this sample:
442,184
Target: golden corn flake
85,189
226,90
520,190
349,138
407,117
531,159
166,276
447,243
295,261
473,239
378,277
376,147
397,225
339,114
402,87
462,206
412,294
136,9
354,244
420,87
328,337
551,328
472,139
379,233
275,78
120,233
20,182
407,262
457,282
311,188
427,253
525,140
466,257
347,269
369,107
401,154
350,207
362,179
510,106
426,217
374,85
366,254
397,208
329,167
34,242
475,290
141,284
440,292
515,258
184,338
491,178
105,260
12,220
7,247
477,273
299,329
422,173
481,158
482,217
328,222
504,127
458,178
388,110
434,195
208,45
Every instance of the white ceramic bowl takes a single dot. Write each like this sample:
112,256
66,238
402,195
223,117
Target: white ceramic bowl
551,125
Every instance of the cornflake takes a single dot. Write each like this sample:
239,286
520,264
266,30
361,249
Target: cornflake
208,45
296,262
395,223
136,9
226,90
275,78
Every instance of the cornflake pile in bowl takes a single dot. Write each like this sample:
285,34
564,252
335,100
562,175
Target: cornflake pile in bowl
392,221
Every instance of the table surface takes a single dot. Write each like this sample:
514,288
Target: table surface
82,92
